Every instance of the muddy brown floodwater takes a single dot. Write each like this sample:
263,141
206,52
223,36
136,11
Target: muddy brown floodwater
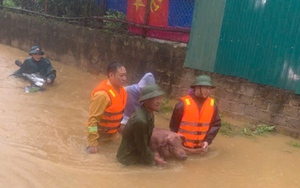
42,141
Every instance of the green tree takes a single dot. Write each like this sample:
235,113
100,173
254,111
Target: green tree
61,8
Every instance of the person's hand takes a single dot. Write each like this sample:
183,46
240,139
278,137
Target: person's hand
204,147
49,81
121,128
193,151
159,161
93,149
202,150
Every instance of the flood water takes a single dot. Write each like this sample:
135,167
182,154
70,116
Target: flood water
43,136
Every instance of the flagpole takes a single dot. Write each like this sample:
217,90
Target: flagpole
147,17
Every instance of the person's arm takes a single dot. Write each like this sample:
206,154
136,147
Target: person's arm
22,69
129,107
214,127
98,104
142,141
50,72
177,116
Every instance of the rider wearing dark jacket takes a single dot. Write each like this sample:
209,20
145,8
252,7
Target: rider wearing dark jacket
36,64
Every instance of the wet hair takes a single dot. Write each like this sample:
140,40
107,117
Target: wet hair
113,67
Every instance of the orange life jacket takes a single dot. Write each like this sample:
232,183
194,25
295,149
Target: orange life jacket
195,123
112,116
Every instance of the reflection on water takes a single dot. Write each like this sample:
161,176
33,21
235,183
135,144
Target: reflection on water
42,142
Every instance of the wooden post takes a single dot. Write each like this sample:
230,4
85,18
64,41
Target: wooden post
46,7
101,12
147,16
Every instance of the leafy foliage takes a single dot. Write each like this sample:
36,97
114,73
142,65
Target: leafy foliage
61,8
262,128
247,130
9,3
165,107
117,15
294,144
228,129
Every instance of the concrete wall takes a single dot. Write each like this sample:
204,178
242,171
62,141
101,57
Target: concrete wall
92,50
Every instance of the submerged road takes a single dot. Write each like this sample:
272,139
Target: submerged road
42,141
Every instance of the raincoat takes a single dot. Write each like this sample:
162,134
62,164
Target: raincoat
43,67
133,95
134,148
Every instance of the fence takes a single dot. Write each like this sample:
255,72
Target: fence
161,19
168,14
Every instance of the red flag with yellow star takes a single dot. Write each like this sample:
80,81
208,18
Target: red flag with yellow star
158,13
136,10
158,16
159,10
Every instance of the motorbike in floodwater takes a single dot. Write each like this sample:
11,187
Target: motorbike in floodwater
36,83
35,79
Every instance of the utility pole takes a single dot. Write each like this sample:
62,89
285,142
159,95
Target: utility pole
46,7
1,4
146,18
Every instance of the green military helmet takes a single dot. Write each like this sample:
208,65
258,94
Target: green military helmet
203,80
150,91
36,50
